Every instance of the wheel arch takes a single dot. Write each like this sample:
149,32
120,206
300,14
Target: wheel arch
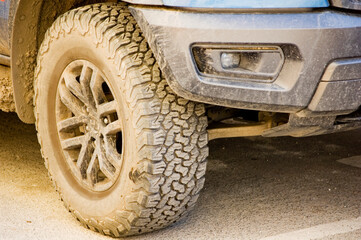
31,20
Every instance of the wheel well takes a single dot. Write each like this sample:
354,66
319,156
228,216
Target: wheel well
32,19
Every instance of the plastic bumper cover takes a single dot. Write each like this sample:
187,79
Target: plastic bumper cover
310,41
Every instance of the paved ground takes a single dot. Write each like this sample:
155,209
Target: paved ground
256,188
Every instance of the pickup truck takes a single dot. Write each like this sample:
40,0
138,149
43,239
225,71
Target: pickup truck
125,95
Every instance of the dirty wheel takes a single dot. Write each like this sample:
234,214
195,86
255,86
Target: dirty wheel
125,153
89,129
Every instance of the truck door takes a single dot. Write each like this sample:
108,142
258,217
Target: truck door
4,28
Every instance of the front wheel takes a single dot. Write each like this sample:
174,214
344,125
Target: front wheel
125,153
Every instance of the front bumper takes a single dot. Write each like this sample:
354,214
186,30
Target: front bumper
309,41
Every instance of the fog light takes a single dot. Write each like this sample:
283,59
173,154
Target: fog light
230,60
239,63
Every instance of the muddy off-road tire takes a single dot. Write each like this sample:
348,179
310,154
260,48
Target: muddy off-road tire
126,154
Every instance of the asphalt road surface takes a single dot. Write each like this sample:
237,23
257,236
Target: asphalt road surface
256,188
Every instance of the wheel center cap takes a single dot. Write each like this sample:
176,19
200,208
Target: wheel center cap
94,126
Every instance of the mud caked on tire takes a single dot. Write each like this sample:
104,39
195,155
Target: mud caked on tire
125,153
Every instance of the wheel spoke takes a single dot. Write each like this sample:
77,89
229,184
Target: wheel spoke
110,151
112,128
105,166
96,88
74,86
107,108
70,101
71,123
93,168
85,76
84,157
74,143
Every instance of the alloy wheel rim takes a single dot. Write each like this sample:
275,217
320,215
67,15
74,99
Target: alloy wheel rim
89,126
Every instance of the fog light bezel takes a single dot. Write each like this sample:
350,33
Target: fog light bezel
232,74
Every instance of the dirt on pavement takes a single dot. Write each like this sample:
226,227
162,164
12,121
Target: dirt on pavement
255,188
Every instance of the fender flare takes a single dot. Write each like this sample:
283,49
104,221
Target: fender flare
31,20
